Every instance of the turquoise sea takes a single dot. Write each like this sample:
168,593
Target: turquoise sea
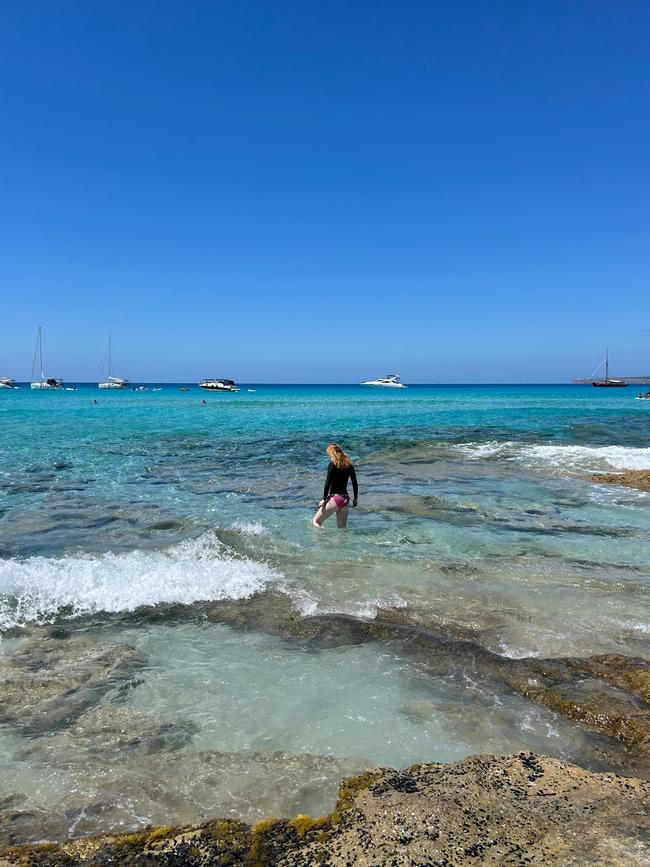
123,521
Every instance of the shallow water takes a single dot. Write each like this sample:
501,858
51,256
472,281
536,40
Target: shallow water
474,513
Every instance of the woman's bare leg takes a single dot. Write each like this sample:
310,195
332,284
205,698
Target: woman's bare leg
342,517
324,512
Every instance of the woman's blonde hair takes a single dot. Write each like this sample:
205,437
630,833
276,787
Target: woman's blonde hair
338,456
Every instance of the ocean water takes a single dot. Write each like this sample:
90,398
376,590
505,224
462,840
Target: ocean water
122,521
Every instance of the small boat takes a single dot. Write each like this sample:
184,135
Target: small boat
45,382
389,381
157,389
218,385
252,389
6,382
607,382
112,381
184,388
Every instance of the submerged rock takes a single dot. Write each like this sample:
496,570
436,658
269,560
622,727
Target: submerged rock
108,735
50,682
127,792
482,810
607,694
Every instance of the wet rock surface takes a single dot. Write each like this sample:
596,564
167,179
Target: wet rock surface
50,682
639,479
183,785
512,810
108,735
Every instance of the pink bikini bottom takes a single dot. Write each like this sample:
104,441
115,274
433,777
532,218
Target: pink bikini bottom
340,501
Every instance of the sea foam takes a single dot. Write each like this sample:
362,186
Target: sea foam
565,458
36,589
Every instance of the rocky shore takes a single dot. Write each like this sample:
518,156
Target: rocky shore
639,479
516,810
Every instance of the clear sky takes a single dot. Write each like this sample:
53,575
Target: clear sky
295,191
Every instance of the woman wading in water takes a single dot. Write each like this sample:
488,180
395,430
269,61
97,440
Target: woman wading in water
335,493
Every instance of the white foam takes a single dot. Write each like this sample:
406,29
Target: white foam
250,528
566,458
37,588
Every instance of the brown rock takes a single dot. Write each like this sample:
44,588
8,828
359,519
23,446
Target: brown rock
487,810
631,479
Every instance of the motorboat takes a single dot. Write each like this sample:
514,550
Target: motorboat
5,382
112,381
45,382
218,385
389,381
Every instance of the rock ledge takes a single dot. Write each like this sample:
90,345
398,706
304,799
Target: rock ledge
511,810
639,479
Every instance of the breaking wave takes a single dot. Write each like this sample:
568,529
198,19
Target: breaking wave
36,589
564,458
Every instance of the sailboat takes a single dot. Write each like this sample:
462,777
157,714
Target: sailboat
607,382
44,381
112,381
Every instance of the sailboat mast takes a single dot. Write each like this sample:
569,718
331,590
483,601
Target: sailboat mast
40,352
607,365
109,358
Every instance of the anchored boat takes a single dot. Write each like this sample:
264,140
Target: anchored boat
47,382
218,385
607,382
112,381
392,380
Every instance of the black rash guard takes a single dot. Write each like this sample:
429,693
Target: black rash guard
337,482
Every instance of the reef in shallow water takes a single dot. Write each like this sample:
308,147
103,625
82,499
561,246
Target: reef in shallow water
49,683
484,809
608,695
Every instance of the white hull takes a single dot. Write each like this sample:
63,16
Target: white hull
218,388
391,380
48,386
7,383
118,385
225,385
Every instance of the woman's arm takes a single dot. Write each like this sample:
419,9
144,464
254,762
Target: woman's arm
355,487
328,482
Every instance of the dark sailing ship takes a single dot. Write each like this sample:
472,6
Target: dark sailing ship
607,382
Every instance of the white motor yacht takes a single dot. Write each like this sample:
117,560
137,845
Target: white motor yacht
44,381
389,381
5,382
218,385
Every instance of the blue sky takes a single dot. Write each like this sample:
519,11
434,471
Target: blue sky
297,192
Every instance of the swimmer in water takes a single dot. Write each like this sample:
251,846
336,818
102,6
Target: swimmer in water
335,494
